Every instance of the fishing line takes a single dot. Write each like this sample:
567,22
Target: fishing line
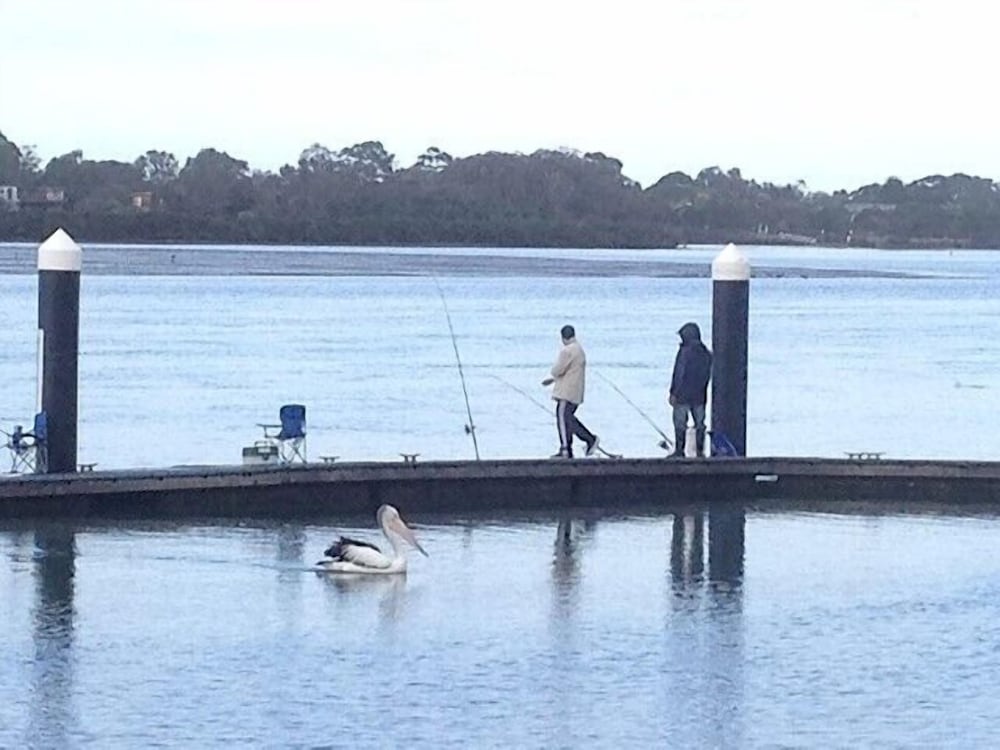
547,410
470,428
524,393
667,444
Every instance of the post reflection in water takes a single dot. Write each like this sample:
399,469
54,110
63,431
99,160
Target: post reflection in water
712,606
726,544
52,715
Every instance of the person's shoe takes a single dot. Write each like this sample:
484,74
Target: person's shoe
592,447
561,454
675,454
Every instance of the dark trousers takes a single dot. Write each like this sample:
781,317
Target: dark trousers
568,426
697,412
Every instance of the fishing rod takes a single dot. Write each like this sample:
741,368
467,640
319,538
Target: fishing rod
470,428
667,444
547,410
524,393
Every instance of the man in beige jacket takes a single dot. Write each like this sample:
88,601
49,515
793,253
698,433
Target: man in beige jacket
567,381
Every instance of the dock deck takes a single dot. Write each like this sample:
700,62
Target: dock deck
313,490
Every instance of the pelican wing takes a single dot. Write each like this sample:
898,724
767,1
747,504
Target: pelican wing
336,550
362,554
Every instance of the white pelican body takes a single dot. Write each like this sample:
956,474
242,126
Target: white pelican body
351,556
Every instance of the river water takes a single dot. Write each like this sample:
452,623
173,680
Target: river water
683,625
180,360
832,630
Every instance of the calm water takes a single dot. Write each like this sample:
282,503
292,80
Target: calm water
179,369
683,627
832,631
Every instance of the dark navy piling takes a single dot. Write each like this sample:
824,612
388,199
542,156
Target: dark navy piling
730,337
59,263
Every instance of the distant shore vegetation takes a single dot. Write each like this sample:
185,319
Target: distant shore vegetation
360,195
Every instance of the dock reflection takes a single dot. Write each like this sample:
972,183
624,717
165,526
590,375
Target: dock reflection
52,717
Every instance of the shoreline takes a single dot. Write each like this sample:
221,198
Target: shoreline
291,261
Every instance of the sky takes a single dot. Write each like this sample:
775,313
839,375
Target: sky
836,94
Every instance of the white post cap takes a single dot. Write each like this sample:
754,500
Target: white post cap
730,265
59,253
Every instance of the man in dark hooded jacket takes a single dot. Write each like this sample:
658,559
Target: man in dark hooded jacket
689,388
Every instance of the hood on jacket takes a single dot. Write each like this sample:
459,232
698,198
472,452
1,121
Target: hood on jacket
690,333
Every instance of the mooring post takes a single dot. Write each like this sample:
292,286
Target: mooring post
59,262
730,334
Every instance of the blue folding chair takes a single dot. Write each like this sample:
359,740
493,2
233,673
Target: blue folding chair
289,437
28,450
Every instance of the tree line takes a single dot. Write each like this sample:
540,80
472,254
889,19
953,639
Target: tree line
359,195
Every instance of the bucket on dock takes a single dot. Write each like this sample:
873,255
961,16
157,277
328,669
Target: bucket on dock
691,442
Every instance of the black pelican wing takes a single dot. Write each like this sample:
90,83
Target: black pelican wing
342,548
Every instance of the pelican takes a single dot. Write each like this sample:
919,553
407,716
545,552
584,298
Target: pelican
351,556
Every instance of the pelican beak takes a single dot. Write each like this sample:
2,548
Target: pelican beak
406,533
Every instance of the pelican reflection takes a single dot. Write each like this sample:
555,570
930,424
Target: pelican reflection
355,589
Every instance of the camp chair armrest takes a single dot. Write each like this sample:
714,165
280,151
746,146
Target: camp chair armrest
267,427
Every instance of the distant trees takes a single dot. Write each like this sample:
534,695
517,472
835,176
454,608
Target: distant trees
213,184
10,162
157,167
359,194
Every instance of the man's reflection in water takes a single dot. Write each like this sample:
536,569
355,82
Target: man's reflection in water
725,549
568,664
566,566
687,552
52,717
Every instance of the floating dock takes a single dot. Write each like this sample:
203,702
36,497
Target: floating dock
317,490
